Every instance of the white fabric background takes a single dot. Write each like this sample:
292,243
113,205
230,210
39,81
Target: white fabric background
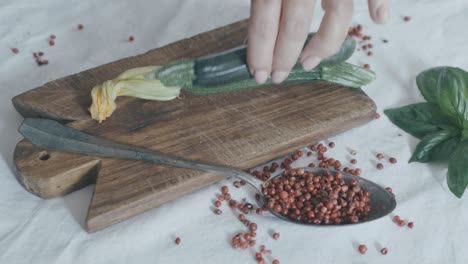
33,230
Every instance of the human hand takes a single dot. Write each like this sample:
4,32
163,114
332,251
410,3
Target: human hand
278,29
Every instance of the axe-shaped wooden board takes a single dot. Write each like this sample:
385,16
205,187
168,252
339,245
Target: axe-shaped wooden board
242,129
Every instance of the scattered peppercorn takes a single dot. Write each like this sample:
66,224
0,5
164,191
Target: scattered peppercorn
396,219
366,66
217,211
275,261
401,223
15,50
376,116
253,226
388,189
51,42
411,225
384,251
177,241
276,236
224,189
80,27
406,18
131,38
380,156
392,160
369,53
52,36
353,161
385,40
362,249
331,144
217,203
380,166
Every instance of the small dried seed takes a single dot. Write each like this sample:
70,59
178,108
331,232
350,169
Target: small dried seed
362,249
384,251
217,211
177,241
276,236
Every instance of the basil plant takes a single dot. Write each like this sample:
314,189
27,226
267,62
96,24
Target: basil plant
441,123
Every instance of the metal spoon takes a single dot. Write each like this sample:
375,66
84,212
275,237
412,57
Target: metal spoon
49,134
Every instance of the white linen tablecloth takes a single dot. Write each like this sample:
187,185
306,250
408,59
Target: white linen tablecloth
33,230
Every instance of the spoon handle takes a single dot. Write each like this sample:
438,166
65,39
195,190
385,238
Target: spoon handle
49,134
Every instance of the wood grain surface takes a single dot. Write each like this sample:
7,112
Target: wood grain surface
242,129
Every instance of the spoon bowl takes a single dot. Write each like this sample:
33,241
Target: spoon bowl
381,201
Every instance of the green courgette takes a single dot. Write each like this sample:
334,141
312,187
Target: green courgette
222,72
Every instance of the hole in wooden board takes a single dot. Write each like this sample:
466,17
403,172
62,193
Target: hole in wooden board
44,156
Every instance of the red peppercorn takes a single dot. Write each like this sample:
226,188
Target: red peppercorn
15,50
384,251
275,261
309,153
401,223
411,225
276,236
396,218
406,18
217,203
177,241
252,243
244,244
217,211
392,160
241,217
253,226
376,116
51,42
311,165
366,66
353,161
131,38
380,156
80,27
52,36
388,189
331,144
224,189
221,198
247,236
369,53
362,249
380,166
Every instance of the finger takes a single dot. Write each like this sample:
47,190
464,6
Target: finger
262,32
378,10
296,17
330,35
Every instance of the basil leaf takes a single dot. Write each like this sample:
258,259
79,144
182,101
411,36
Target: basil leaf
444,150
424,149
419,119
452,91
427,84
457,176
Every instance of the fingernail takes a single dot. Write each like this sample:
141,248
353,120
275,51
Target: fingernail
310,62
382,13
261,76
279,76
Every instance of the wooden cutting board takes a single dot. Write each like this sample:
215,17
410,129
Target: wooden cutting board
242,129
